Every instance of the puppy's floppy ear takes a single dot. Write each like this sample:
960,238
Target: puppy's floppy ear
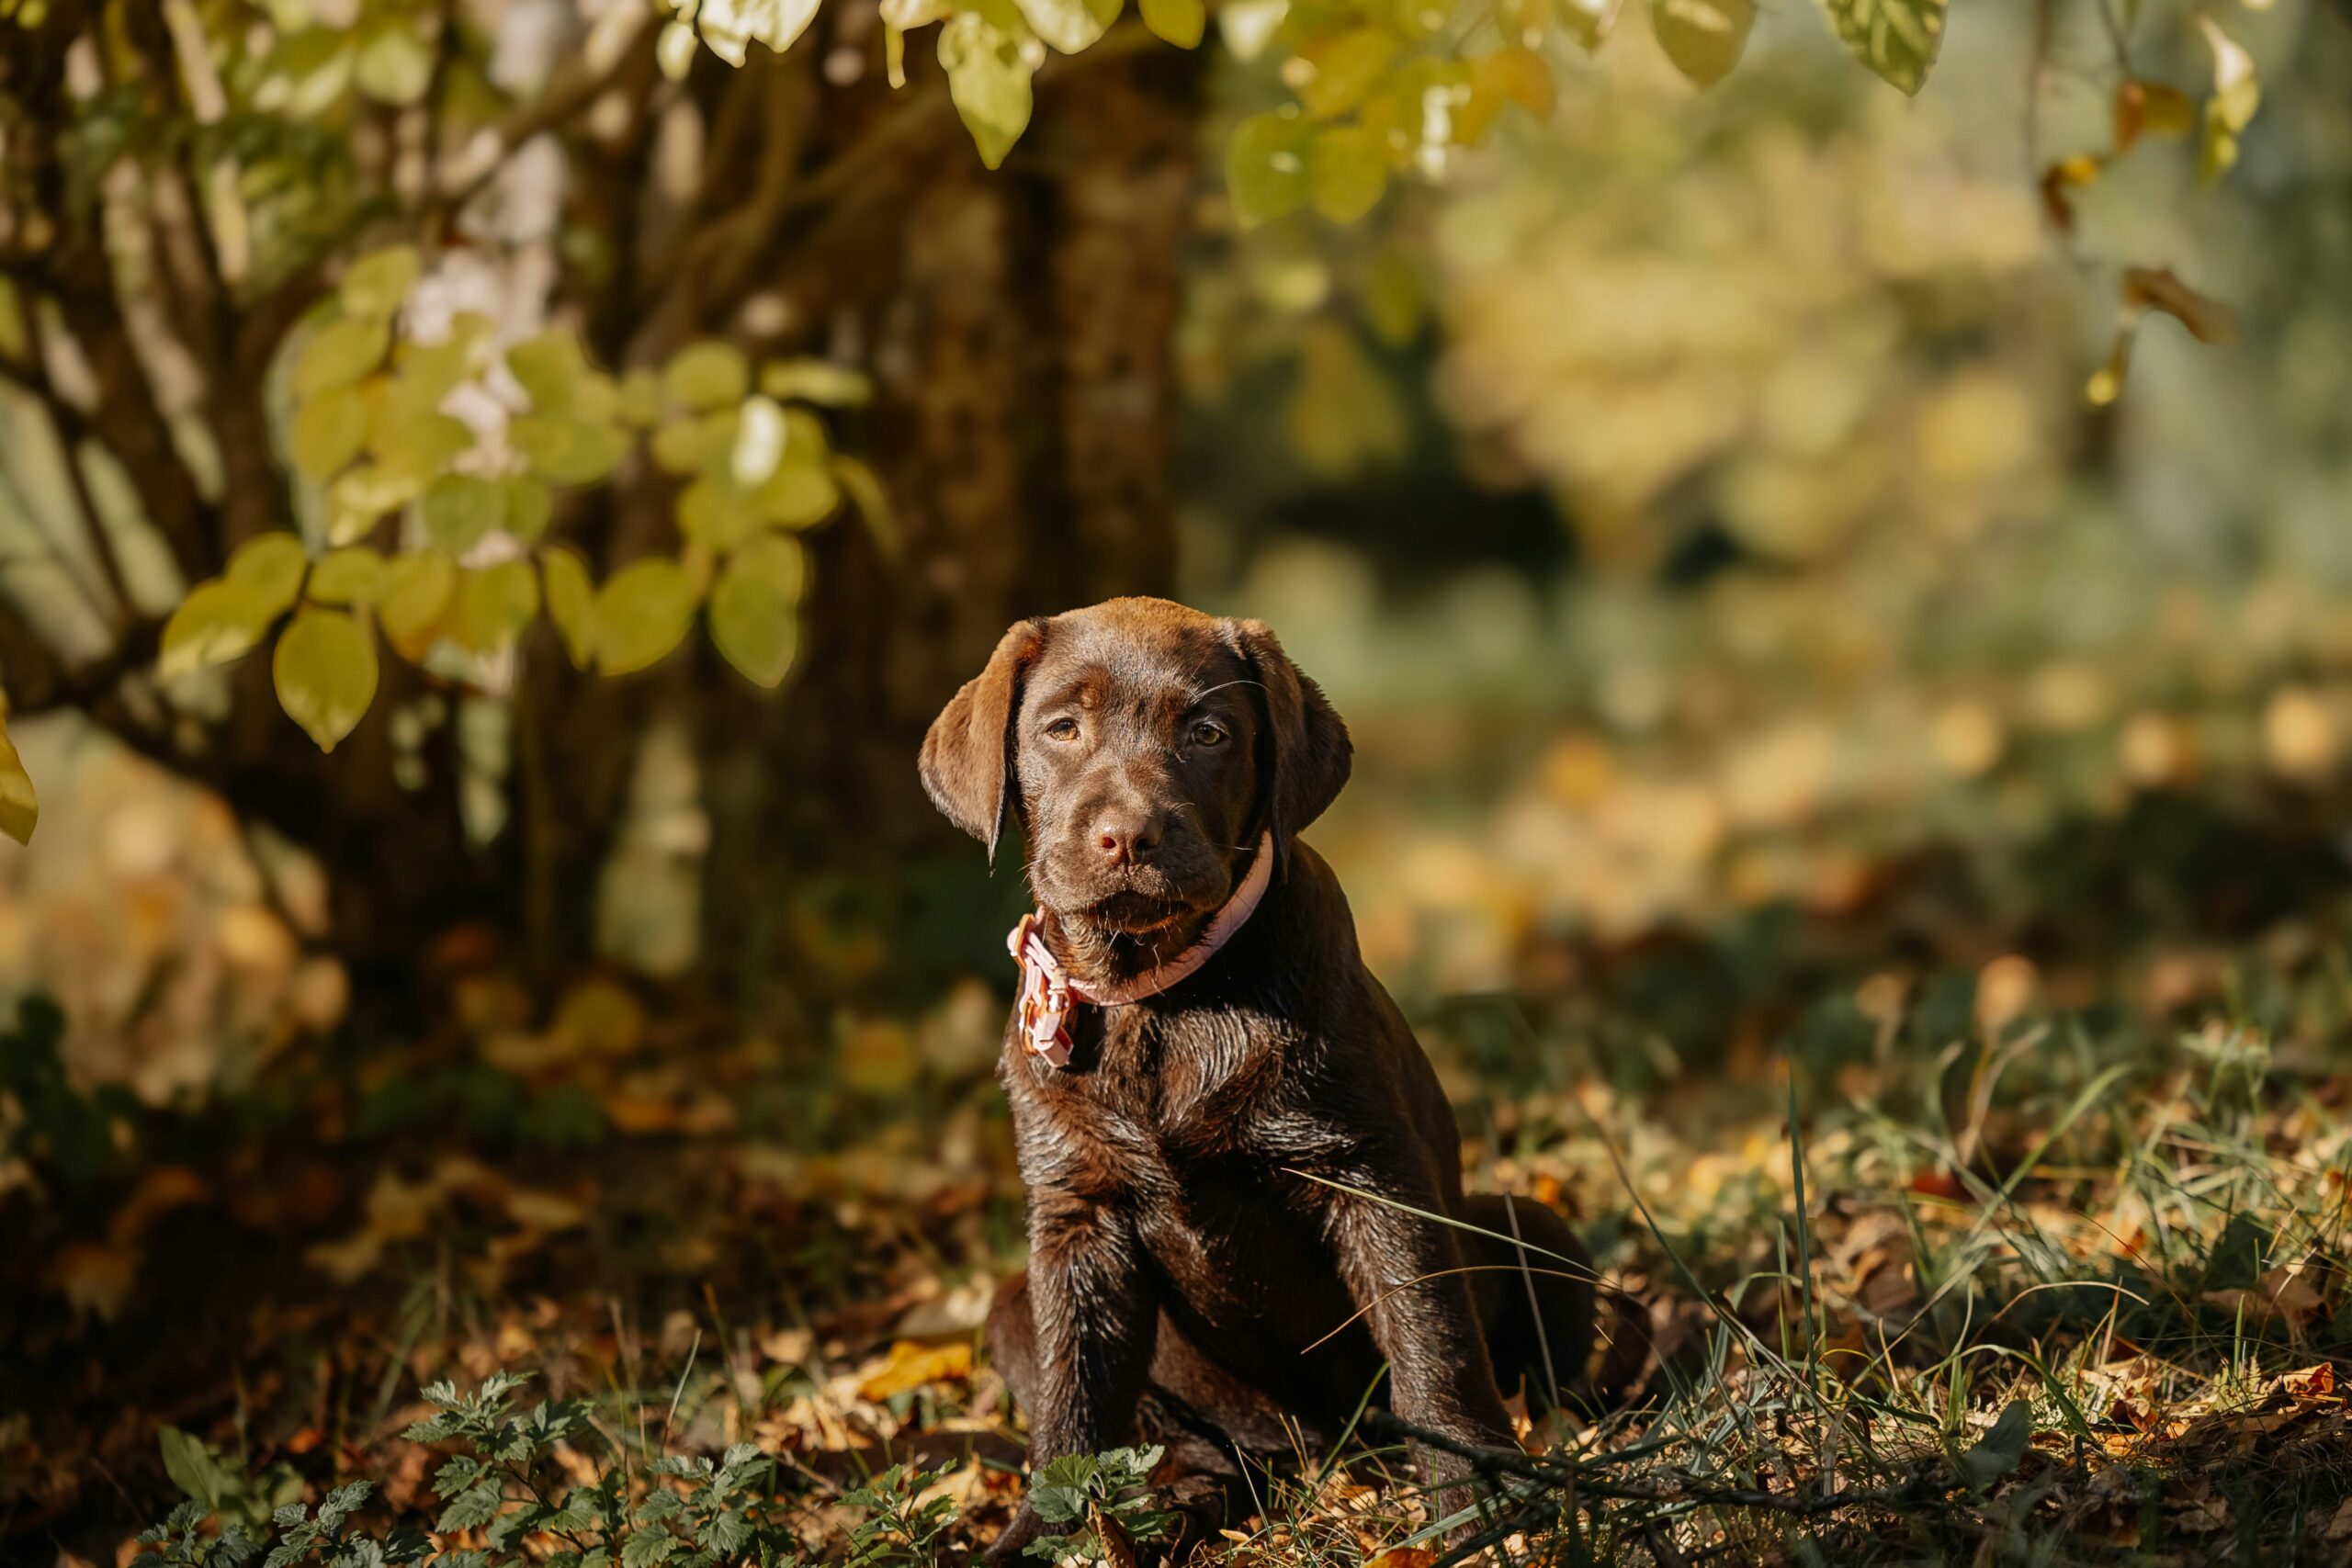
1308,746
967,754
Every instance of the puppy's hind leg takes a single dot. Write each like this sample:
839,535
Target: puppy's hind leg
1535,1299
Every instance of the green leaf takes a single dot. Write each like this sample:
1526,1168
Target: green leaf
796,496
493,606
327,431
646,1547
549,368
642,613
477,1504
708,375
325,672
755,618
989,72
716,516
565,450
1703,38
271,565
2001,1450
872,499
1350,170
340,352
359,499
571,602
460,511
682,445
395,66
407,429
353,576
191,1466
1069,25
378,285
1180,22
219,621
18,808
530,505
417,589
1898,39
821,381
1265,165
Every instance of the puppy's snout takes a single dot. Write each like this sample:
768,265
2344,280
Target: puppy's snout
1129,836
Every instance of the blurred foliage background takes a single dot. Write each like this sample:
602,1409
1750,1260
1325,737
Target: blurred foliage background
1786,556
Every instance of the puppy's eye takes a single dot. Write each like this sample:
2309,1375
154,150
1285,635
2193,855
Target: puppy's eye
1063,729
1208,734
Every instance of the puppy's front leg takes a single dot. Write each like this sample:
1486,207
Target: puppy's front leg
1406,1275
1095,1319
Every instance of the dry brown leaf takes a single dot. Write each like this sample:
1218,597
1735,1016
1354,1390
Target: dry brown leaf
2157,288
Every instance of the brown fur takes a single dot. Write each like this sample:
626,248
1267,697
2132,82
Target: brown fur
1186,1263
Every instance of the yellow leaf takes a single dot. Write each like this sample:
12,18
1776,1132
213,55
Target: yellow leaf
811,380
910,1366
642,613
1343,70
565,449
417,589
530,505
1589,21
353,576
682,445
460,511
325,672
1350,172
755,618
549,369
1180,22
1265,165
989,72
797,496
219,621
572,601
1520,76
708,375
271,565
1703,38
494,605
1898,39
327,431
872,499
19,810
2236,95
1069,25
339,353
378,282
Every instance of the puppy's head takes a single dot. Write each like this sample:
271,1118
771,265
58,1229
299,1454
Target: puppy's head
1144,747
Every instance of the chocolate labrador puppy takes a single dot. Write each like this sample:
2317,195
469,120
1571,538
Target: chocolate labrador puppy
1232,1143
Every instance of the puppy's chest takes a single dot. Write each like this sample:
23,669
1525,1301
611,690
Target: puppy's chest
1166,1100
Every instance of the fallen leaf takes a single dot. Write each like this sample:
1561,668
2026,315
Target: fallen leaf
910,1366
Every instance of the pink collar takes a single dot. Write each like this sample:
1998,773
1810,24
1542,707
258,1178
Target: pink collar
1048,995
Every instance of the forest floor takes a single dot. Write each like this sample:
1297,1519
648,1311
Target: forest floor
2018,1281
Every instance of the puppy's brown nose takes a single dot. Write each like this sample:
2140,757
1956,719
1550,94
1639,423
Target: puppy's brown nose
1128,837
